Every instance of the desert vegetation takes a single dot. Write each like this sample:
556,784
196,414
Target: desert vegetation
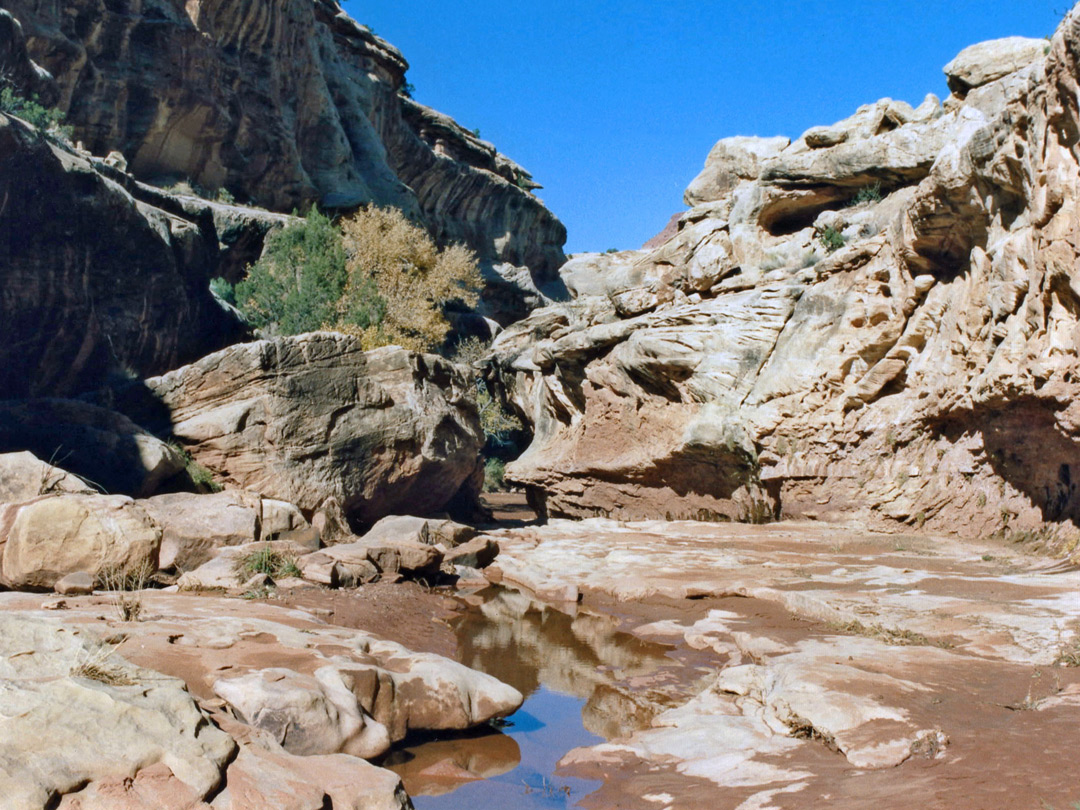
31,110
375,275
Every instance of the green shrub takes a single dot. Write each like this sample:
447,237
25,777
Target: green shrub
268,560
298,283
831,239
225,196
868,194
223,290
494,475
30,110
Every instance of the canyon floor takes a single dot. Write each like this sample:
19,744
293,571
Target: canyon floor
692,665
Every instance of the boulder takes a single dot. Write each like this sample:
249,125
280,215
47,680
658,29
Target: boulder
430,692
194,527
346,572
99,445
306,714
420,530
82,713
479,552
48,538
403,557
980,64
23,477
80,583
314,418
280,516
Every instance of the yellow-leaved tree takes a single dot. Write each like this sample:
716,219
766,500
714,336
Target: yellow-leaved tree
399,283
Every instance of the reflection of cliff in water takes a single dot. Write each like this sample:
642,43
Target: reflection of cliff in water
431,766
623,680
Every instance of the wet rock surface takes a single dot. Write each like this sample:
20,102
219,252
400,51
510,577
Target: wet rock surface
841,666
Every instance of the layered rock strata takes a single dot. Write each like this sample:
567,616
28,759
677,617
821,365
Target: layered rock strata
286,103
877,321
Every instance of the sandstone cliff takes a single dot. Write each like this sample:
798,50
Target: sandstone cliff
99,275
879,320
287,102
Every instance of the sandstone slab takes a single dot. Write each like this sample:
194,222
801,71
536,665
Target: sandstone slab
134,720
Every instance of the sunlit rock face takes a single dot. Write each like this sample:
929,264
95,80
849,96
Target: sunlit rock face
877,320
285,103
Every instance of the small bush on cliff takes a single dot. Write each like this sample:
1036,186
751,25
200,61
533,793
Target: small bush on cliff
868,194
30,110
223,290
831,239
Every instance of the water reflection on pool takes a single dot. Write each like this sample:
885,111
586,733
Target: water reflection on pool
584,681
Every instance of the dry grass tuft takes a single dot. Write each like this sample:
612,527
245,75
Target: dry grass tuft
125,585
96,666
889,635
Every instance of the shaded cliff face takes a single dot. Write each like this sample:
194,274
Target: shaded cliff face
287,102
924,373
97,275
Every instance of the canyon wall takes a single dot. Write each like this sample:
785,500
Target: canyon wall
285,103
877,321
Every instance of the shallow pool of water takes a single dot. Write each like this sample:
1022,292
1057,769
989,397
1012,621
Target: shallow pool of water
584,682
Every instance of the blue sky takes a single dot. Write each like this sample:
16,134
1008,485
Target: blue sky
613,106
